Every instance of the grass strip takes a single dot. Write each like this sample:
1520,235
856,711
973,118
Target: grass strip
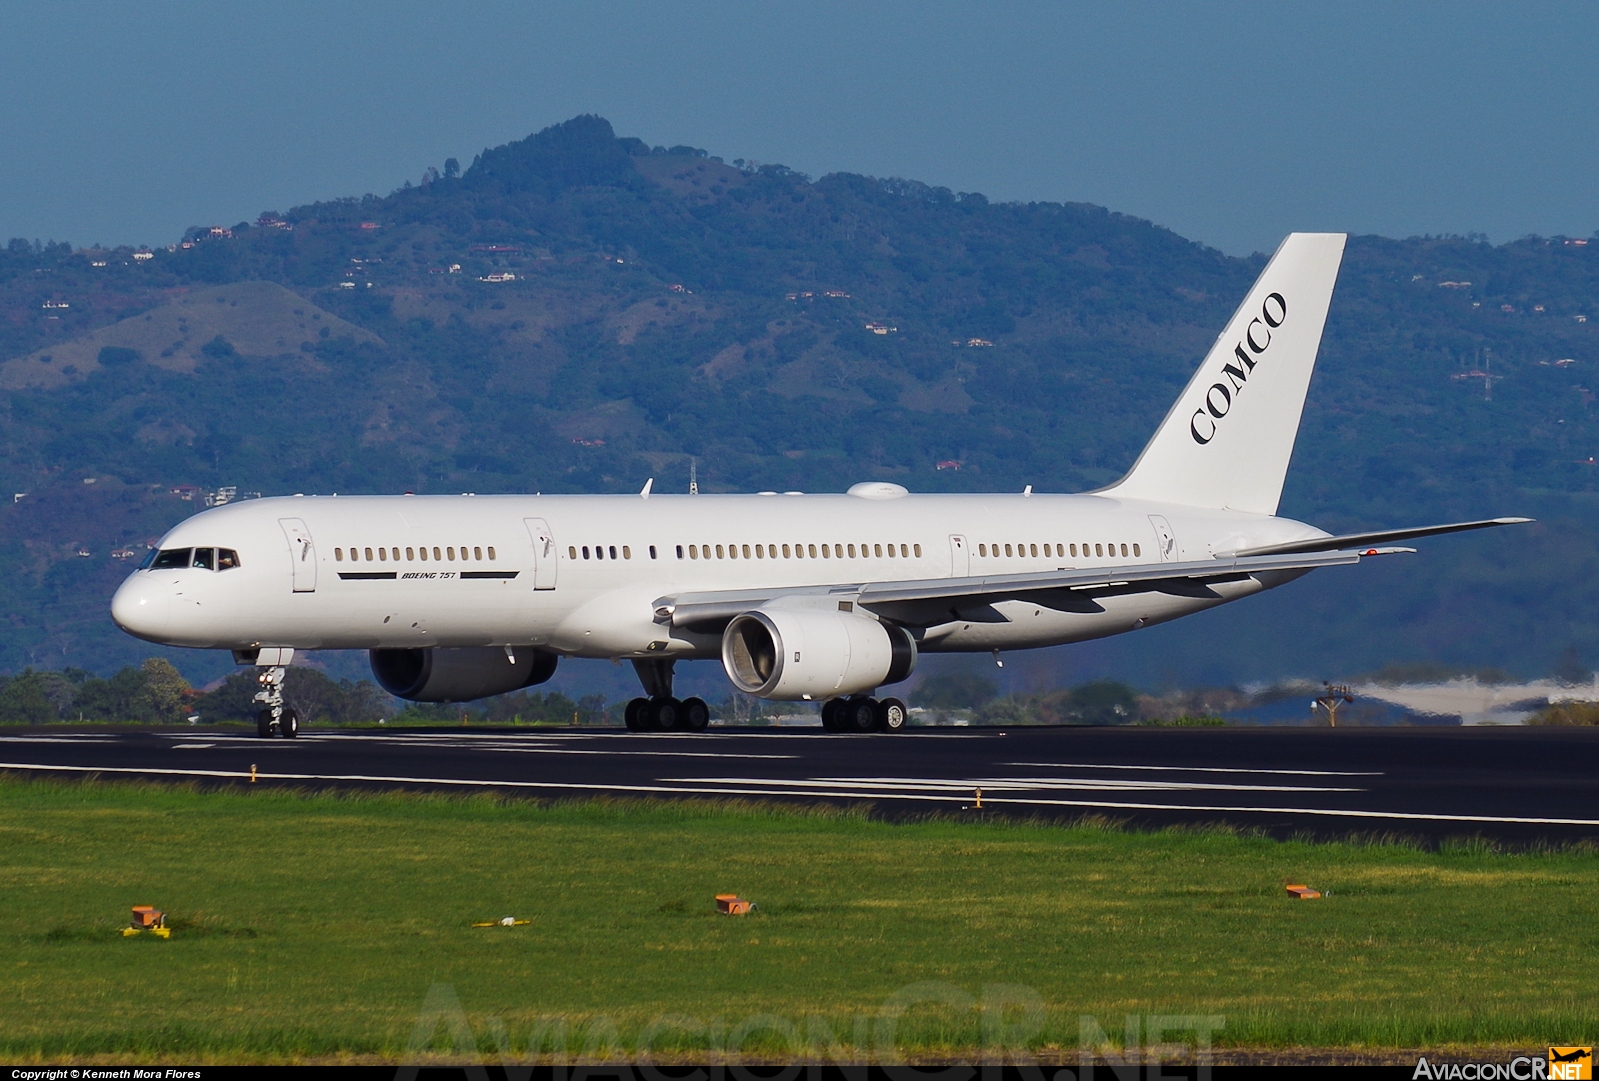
324,926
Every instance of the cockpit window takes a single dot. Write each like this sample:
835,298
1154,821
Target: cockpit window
206,558
227,559
171,559
149,558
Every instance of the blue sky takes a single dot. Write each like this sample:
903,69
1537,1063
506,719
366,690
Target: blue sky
1230,123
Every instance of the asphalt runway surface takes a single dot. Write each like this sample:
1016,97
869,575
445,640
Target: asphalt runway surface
1516,785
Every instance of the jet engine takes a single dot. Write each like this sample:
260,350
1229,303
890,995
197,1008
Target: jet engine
460,675
791,654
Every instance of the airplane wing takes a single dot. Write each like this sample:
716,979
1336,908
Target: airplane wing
931,601
1366,540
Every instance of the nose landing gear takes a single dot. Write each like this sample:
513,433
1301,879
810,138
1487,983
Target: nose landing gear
275,718
862,713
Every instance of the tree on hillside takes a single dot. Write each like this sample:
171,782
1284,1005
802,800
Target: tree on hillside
170,694
23,700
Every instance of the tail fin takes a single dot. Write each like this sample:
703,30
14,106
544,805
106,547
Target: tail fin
1227,441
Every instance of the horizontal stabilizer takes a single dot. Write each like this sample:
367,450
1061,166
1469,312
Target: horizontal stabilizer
1367,540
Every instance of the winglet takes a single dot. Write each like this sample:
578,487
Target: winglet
644,493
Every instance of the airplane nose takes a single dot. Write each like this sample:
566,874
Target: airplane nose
141,607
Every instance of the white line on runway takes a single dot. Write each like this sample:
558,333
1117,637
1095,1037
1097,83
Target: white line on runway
526,748
191,746
1006,784
1113,805
1204,769
55,739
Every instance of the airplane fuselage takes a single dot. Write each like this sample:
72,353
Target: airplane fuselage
582,575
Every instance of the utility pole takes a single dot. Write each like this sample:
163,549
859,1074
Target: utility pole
1331,700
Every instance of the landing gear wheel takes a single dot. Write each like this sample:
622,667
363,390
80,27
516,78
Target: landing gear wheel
289,724
830,714
664,714
859,714
263,724
634,714
695,715
892,715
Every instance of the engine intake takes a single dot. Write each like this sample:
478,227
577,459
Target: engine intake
460,675
790,654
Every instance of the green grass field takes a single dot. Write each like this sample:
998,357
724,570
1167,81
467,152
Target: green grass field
316,926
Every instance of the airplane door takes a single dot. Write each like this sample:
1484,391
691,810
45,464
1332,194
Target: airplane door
960,557
1167,539
302,554
545,559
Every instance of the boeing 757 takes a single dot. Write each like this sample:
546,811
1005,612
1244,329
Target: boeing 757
802,597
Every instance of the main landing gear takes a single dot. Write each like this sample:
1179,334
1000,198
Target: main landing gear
862,713
660,712
275,718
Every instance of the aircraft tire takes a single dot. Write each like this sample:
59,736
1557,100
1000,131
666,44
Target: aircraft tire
830,715
289,724
695,715
892,715
263,724
634,714
664,714
859,714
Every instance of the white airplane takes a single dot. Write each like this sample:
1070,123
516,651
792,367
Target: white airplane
820,598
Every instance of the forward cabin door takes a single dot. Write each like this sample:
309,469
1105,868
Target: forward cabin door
1166,540
545,561
960,557
302,554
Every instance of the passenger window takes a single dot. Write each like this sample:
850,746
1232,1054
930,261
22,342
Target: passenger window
338,555
369,556
1099,549
423,553
477,553
410,554
171,559
1046,549
491,553
982,550
719,554
811,550
877,549
1033,549
227,559
571,550
825,554
786,552
917,548
205,557
449,554
1074,549
746,551
383,554
1135,550
679,551
437,556
1007,549
693,551
1124,549
627,553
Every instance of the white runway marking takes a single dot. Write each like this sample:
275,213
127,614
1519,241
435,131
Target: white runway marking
1202,769
1016,784
191,746
1103,805
56,739
479,743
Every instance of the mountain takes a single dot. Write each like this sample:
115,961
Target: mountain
580,312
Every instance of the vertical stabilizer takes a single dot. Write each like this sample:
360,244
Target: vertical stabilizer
1227,441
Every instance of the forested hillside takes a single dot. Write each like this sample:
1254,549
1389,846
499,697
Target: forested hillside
580,312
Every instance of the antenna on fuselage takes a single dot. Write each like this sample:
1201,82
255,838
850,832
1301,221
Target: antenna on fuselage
693,476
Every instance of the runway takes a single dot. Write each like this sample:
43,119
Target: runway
1518,785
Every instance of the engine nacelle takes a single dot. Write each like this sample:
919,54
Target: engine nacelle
460,675
790,654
